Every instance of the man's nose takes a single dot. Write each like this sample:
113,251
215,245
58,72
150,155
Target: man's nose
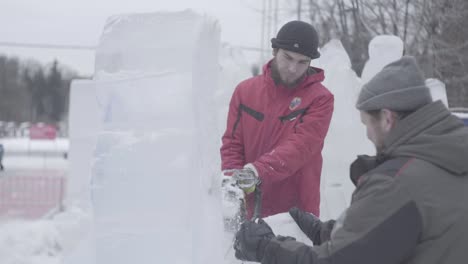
292,67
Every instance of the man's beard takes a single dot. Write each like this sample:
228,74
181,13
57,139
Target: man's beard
278,80
379,144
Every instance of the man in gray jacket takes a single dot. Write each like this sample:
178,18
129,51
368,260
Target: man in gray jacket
410,204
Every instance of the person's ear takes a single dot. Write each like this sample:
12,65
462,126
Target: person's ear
274,51
388,119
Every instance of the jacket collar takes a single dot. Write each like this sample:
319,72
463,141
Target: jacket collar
432,134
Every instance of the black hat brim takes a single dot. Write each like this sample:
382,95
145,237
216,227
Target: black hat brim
289,45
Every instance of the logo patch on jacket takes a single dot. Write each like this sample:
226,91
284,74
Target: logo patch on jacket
295,103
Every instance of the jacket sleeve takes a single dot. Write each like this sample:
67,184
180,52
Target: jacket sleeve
232,149
382,225
291,155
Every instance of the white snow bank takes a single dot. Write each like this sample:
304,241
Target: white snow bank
58,146
43,241
36,242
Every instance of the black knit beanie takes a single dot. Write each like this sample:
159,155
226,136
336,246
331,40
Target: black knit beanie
298,36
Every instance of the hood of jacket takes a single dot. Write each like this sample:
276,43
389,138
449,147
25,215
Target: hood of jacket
432,134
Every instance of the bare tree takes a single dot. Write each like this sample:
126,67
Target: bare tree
30,92
12,90
449,49
435,31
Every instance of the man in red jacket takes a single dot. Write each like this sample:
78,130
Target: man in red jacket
277,123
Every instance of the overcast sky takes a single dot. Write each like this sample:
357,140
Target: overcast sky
80,22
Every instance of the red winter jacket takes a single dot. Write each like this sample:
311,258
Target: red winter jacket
281,132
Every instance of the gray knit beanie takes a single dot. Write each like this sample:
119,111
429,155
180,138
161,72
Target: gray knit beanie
399,86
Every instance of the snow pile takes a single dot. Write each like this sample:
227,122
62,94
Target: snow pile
72,225
30,243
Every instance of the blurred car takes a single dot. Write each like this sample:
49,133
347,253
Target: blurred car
463,116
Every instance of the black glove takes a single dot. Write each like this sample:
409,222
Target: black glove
360,166
252,239
308,223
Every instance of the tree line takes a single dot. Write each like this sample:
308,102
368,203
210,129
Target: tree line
30,92
435,31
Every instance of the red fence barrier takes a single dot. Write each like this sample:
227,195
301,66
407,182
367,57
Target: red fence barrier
42,131
31,197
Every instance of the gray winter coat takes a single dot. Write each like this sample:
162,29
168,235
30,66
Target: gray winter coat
410,204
